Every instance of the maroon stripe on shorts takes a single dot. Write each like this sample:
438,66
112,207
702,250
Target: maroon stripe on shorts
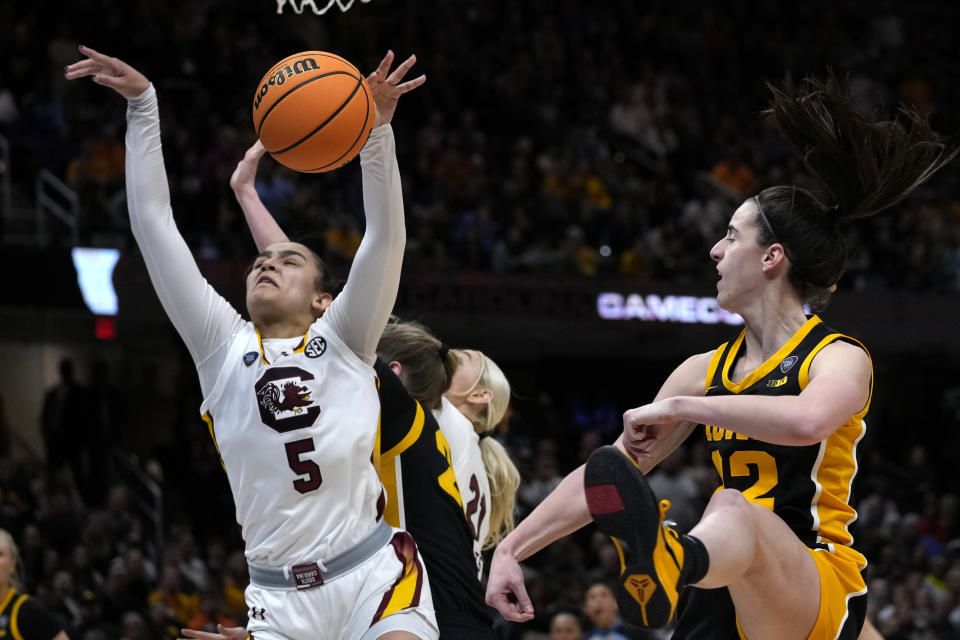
406,550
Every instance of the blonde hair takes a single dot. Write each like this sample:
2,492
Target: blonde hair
15,579
502,474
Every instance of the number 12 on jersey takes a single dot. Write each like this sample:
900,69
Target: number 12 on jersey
741,466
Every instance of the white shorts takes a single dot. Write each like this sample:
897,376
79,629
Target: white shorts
388,592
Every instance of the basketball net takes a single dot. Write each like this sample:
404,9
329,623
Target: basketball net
343,4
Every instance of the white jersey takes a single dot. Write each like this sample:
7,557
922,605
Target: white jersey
296,431
296,428
471,474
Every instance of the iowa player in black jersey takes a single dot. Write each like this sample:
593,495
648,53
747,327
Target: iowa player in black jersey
21,617
423,496
783,402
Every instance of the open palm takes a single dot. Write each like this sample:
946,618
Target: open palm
387,88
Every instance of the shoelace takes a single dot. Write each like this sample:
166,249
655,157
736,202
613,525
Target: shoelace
668,525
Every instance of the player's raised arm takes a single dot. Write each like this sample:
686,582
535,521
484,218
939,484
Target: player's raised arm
263,227
202,317
361,311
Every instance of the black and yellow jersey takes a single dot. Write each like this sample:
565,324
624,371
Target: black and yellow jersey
809,487
23,618
423,498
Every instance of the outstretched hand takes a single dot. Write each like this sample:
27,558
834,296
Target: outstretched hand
245,174
225,633
110,72
387,88
505,589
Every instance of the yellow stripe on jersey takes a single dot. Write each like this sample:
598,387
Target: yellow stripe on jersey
391,481
836,466
300,348
448,479
263,356
764,369
375,458
14,627
7,598
805,367
388,466
208,418
412,436
714,363
303,342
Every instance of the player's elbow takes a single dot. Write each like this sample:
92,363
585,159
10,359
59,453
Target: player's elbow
811,427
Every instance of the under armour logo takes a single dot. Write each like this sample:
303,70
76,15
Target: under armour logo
258,615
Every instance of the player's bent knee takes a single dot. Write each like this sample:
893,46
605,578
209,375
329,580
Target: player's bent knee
730,498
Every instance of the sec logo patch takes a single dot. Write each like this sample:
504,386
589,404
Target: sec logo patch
315,347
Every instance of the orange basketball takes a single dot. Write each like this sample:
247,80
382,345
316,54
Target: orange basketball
313,111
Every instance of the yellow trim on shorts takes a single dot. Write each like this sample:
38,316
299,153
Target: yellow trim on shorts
840,580
406,590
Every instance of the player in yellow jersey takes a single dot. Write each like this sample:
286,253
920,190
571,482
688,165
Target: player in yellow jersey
783,406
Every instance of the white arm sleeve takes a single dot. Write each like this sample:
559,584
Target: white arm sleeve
362,309
202,317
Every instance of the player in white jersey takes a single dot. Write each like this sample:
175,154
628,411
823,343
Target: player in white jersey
291,397
473,403
473,406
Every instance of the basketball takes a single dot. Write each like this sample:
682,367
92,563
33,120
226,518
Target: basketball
313,111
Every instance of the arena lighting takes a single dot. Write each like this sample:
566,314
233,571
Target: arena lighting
653,308
95,277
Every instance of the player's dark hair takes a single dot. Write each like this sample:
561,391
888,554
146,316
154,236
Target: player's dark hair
325,282
428,365
863,166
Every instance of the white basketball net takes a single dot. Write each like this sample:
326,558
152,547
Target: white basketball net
299,5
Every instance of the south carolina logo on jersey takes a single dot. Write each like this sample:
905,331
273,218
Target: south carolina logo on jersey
283,399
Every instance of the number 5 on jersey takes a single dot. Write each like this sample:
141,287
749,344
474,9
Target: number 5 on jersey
302,467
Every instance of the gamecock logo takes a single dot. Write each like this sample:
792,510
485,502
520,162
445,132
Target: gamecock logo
284,402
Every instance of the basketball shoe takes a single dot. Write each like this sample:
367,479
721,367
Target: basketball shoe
651,552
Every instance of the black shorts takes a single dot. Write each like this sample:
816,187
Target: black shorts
458,626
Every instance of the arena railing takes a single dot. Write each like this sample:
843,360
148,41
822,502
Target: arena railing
52,194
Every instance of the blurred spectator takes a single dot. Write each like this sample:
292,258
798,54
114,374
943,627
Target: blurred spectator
601,607
179,605
565,626
64,424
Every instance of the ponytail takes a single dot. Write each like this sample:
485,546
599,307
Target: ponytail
428,365
862,165
504,480
502,474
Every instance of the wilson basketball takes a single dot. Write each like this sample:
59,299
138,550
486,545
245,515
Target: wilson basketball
313,111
